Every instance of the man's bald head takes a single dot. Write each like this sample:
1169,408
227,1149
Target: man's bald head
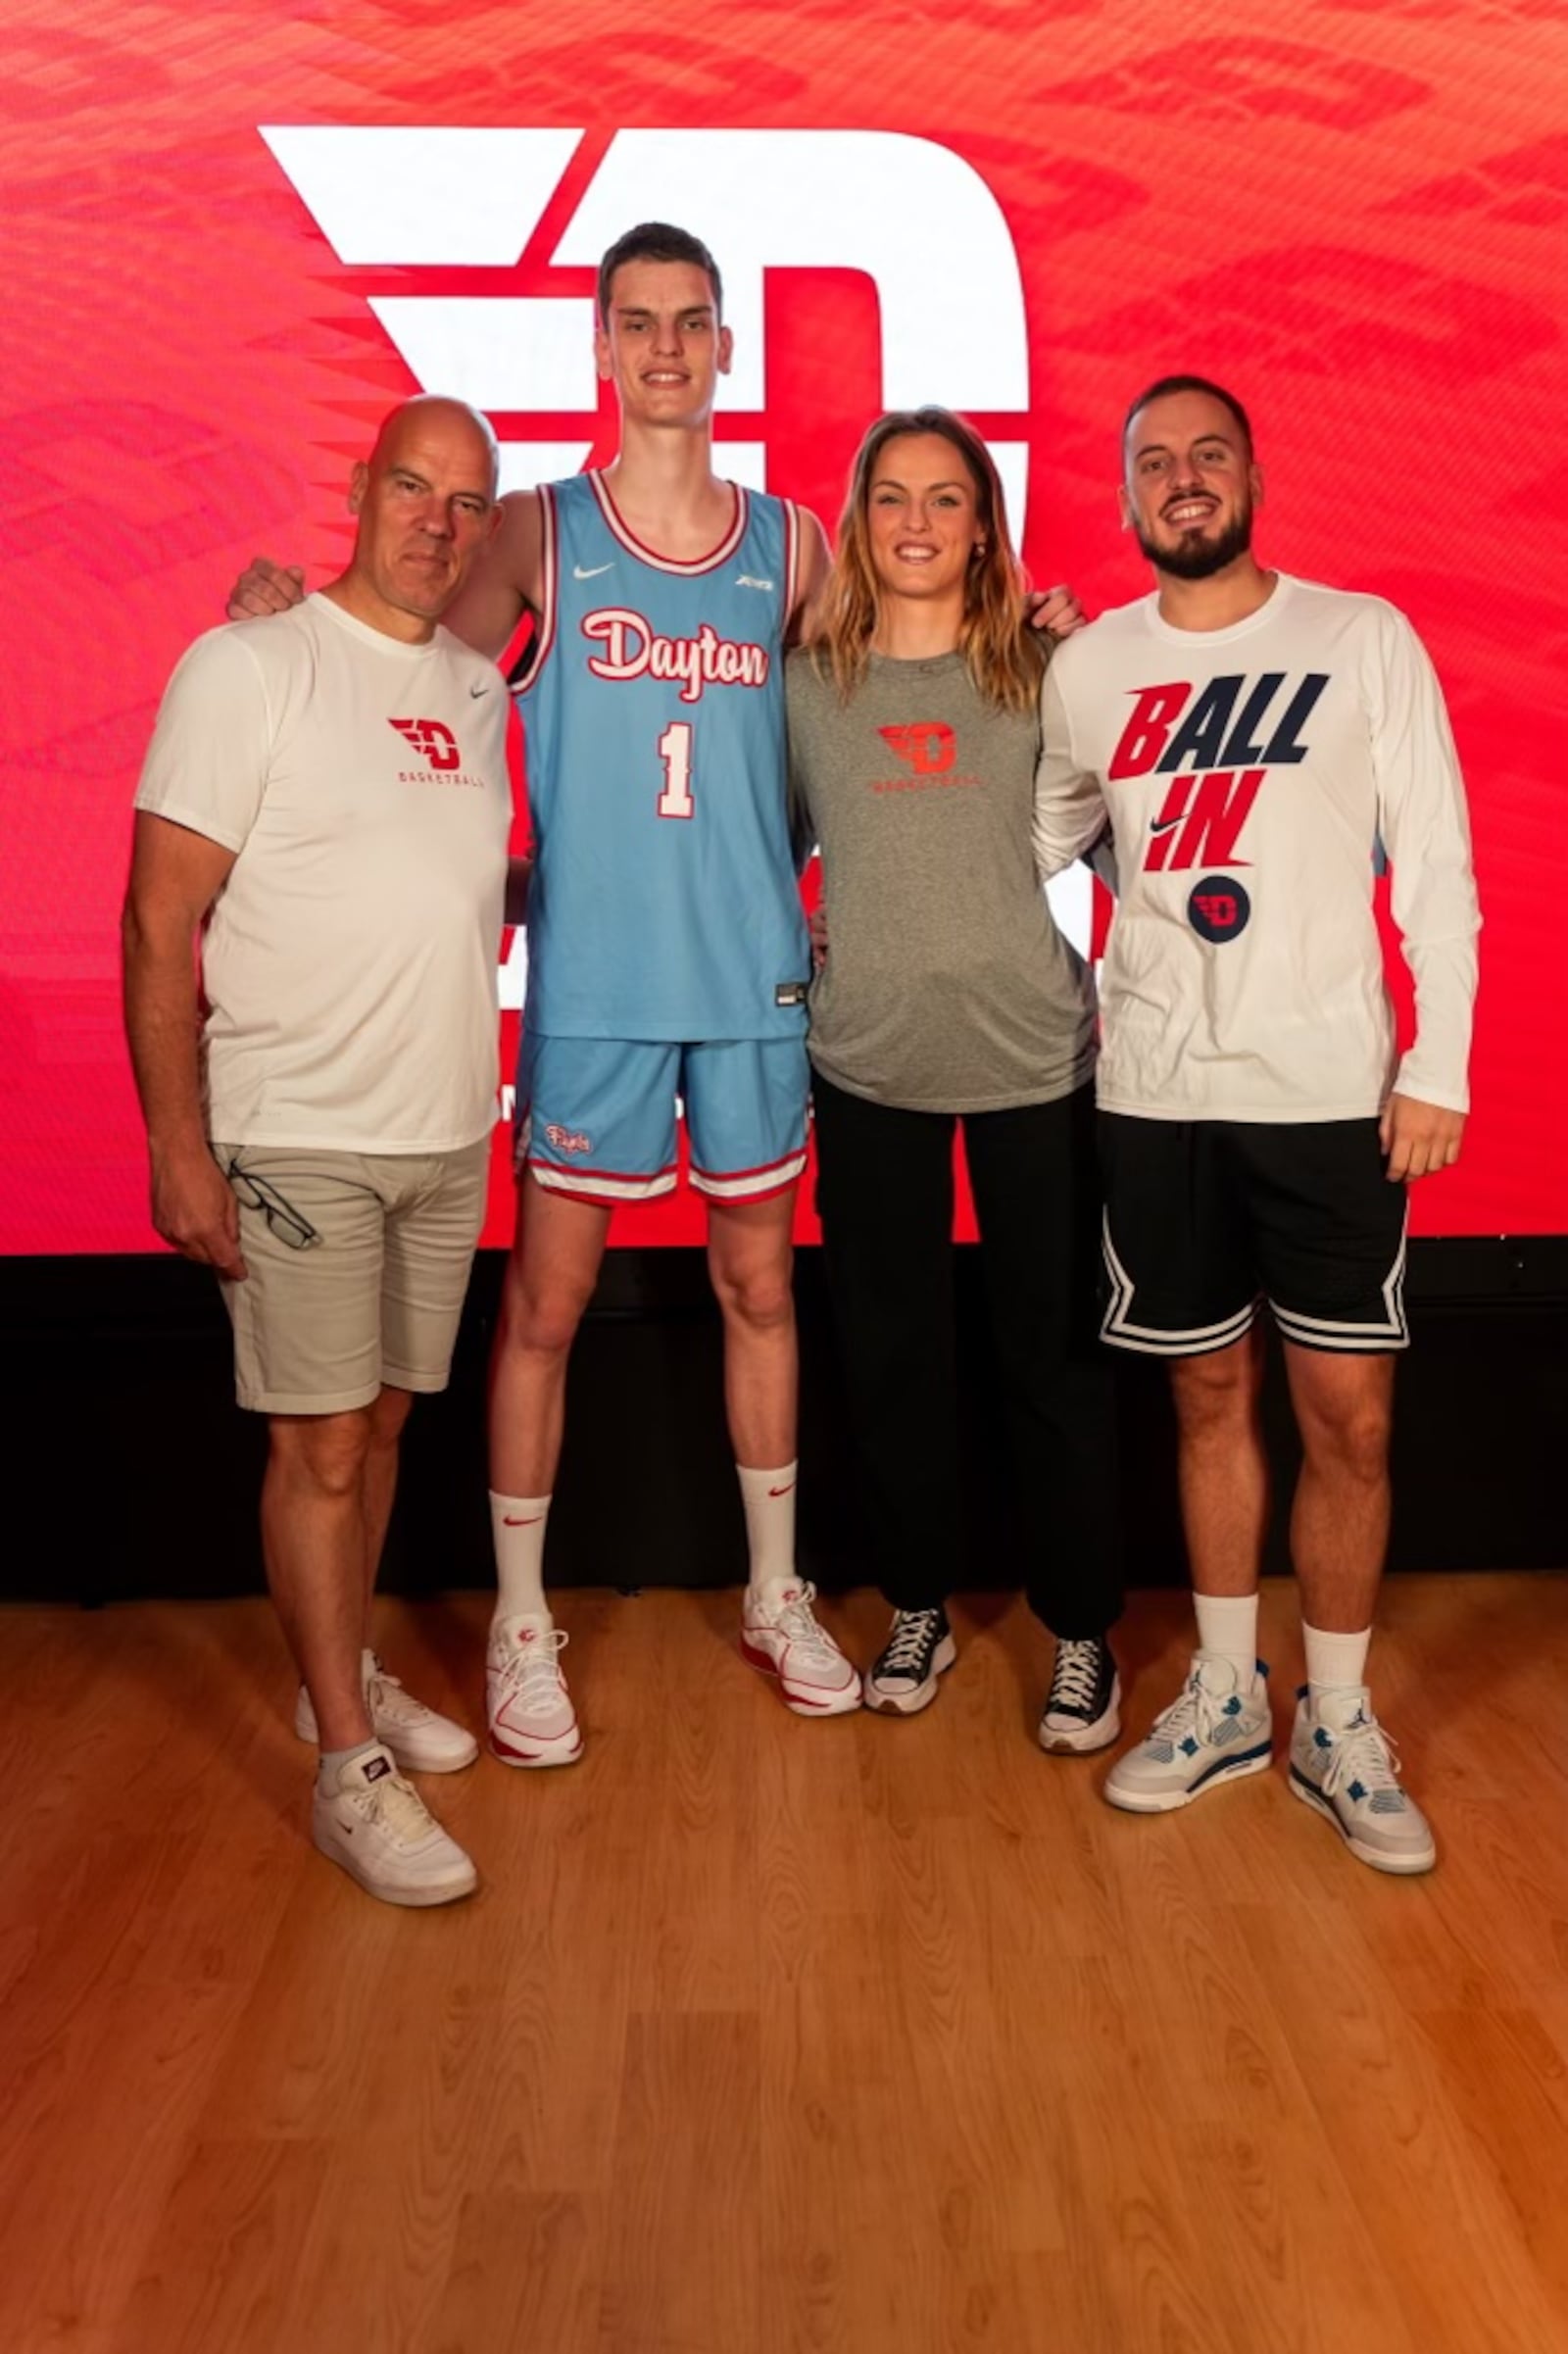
430,417
426,502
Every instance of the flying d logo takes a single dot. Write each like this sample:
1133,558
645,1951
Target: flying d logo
1217,908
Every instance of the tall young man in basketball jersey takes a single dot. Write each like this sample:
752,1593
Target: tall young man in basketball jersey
667,951
1256,740
666,948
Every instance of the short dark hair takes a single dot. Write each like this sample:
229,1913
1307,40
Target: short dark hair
658,241
1216,392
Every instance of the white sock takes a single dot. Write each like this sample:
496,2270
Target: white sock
1334,1662
330,1771
769,1500
1227,1627
518,1525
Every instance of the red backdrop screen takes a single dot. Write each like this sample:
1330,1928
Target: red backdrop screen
235,236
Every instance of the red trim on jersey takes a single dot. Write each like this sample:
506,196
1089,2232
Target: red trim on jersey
765,1169
764,1192
560,1168
651,556
573,1192
551,562
753,1185
792,565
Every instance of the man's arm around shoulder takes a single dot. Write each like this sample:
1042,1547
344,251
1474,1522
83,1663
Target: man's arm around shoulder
811,572
505,579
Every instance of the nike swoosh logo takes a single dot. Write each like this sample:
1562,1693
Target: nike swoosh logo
787,1490
472,691
508,1522
591,571
1163,825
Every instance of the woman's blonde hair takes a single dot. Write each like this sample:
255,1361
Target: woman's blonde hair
1004,655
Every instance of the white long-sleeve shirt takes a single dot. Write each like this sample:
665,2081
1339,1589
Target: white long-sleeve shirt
1251,776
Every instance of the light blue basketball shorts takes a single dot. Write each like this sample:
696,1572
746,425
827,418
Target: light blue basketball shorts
596,1117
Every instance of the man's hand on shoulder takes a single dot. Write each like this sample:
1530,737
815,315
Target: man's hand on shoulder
1419,1139
1057,610
193,1207
265,588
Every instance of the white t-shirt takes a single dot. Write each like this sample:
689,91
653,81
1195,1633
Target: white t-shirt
349,961
1252,777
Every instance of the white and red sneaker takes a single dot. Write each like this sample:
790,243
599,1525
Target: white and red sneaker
532,1722
780,1636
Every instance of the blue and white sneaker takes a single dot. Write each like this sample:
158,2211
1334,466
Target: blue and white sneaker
1344,1764
1217,1730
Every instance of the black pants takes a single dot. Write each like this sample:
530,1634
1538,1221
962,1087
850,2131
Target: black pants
885,1197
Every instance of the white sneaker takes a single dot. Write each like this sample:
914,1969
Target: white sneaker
783,1639
532,1722
1217,1730
421,1741
374,1824
1344,1764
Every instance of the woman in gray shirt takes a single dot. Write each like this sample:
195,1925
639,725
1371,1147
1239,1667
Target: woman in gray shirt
948,995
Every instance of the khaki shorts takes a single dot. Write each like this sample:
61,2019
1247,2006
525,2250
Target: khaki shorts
376,1297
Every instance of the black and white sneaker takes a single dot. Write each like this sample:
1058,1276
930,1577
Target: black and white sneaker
918,1647
1083,1707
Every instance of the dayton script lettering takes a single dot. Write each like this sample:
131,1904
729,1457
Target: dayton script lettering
633,649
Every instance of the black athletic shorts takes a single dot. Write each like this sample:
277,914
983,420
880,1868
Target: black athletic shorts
1204,1218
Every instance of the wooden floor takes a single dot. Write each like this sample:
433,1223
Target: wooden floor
774,2036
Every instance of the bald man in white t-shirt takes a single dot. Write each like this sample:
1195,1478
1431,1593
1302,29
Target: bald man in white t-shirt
326,807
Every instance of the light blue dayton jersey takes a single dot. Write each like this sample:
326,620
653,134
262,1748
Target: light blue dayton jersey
663,902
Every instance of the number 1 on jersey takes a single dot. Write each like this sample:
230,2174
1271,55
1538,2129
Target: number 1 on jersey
676,750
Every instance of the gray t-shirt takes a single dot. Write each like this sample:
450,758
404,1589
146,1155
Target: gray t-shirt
947,985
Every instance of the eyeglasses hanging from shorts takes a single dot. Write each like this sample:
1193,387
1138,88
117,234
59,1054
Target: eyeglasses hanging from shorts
285,1221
